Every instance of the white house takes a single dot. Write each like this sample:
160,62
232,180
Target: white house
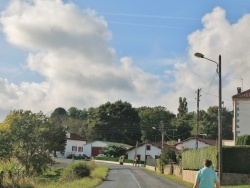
143,150
190,143
94,148
241,120
74,144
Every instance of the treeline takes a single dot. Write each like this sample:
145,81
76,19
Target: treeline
120,122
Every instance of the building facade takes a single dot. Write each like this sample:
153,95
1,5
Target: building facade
241,120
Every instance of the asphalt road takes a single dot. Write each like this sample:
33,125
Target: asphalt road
134,177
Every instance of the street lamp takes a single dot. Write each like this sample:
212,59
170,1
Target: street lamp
220,168
161,129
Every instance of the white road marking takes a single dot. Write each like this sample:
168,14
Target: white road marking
134,179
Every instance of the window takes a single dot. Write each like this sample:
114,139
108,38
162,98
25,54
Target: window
74,148
80,149
148,147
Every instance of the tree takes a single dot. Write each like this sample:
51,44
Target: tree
182,109
114,150
29,134
184,120
6,148
117,122
209,123
153,117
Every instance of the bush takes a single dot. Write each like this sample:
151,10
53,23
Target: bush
76,170
243,140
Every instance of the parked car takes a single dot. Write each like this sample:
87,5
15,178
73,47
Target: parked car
101,155
78,157
82,156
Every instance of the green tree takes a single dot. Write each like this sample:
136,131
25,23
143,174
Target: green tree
153,117
29,134
183,107
6,147
184,120
114,150
118,122
209,123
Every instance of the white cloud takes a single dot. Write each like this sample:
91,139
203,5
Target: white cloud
69,48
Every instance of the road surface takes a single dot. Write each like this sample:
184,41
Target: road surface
134,177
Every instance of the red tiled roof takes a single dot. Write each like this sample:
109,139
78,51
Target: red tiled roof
244,94
74,136
206,141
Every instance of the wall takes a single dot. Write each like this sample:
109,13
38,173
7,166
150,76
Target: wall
228,178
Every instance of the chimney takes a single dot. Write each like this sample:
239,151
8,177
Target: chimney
238,90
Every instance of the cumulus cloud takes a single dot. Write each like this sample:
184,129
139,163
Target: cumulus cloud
69,48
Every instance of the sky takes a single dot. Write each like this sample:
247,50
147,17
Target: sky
84,53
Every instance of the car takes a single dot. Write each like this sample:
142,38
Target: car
82,156
78,157
101,155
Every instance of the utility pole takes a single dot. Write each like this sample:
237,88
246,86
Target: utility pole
197,121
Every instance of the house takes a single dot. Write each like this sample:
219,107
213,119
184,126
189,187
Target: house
241,107
94,148
74,144
145,150
190,143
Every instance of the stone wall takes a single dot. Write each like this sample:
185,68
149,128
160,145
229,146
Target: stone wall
189,175
236,179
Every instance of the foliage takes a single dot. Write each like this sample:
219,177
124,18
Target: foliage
183,107
209,123
117,122
236,159
76,170
114,150
243,140
193,159
168,156
154,117
6,148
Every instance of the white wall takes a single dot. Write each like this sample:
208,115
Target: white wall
87,148
191,144
141,150
76,143
242,118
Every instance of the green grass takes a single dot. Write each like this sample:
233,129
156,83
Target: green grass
96,177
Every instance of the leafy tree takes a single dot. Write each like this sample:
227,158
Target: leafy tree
6,147
114,150
182,109
168,156
117,122
184,120
209,123
75,113
154,117
31,136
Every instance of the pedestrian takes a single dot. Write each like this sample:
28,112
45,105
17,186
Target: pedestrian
206,177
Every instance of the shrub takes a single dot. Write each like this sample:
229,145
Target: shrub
243,140
76,170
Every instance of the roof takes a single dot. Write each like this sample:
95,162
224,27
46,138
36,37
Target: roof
244,94
156,144
109,143
206,141
74,136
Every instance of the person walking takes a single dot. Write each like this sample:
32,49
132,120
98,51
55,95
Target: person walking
206,177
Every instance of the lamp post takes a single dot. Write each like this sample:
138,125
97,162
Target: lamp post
220,168
161,129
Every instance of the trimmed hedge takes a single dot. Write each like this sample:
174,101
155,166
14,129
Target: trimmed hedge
243,140
194,159
235,158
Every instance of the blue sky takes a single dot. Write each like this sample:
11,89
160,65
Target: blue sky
85,53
